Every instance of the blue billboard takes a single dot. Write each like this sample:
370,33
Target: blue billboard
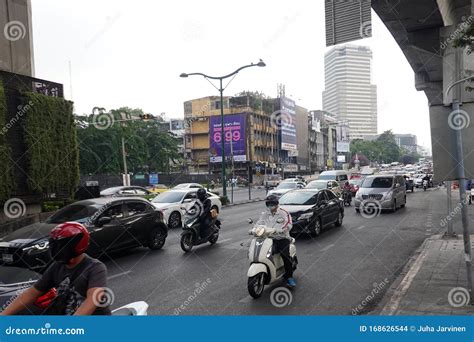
234,137
287,123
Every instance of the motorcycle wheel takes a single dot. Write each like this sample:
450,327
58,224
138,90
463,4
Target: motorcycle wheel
213,238
256,284
187,242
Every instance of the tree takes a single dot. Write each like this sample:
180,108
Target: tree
390,151
148,148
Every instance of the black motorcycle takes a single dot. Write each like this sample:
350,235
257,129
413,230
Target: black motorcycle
346,197
192,235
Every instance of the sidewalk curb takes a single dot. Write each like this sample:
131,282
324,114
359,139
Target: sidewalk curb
391,301
243,202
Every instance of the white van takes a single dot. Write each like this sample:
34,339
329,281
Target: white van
339,176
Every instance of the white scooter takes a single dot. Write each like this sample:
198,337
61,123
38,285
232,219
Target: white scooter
266,267
132,309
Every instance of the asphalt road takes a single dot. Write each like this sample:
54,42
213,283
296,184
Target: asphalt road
345,270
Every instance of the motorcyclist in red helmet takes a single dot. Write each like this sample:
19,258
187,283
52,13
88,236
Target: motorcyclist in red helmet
80,281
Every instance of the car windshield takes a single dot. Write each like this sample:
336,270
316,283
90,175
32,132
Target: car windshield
169,197
327,177
298,198
74,212
289,185
317,185
378,182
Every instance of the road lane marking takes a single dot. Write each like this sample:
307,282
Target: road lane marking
361,227
327,247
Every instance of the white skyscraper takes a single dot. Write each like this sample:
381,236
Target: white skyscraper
349,93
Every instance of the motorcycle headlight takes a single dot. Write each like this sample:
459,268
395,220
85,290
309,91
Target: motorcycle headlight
305,216
259,231
39,247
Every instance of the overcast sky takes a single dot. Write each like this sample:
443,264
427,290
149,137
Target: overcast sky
130,53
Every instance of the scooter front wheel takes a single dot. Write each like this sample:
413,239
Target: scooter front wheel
256,284
187,241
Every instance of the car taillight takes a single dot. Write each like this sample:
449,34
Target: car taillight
46,299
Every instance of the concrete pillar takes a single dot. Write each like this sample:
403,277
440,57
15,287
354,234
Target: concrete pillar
16,37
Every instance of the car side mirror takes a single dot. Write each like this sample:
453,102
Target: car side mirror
187,200
250,221
103,221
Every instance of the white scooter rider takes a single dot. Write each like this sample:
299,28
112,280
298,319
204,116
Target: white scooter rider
280,219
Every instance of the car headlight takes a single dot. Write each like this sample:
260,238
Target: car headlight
305,216
388,195
358,195
39,247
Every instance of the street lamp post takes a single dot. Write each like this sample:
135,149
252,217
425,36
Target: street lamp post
459,157
221,91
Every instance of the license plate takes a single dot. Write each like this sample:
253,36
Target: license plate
7,258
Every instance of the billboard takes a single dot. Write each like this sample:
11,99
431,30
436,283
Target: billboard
234,137
287,124
342,134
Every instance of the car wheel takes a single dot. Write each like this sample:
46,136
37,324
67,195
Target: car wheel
157,239
394,206
174,221
338,222
403,205
316,227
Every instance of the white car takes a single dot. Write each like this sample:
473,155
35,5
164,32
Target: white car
188,186
172,201
284,187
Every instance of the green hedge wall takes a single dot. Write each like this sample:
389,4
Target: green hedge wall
7,183
51,143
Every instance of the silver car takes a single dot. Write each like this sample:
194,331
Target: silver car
386,191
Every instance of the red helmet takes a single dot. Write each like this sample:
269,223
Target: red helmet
68,240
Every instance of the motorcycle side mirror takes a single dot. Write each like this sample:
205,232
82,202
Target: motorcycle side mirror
250,221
